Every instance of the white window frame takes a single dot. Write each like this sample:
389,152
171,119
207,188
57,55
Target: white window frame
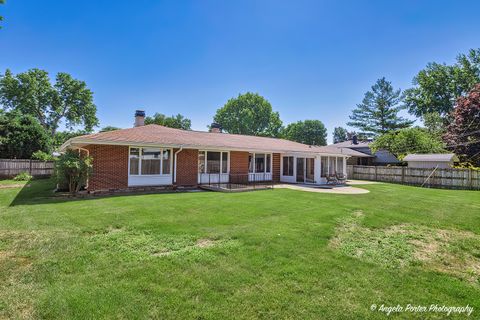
221,163
282,163
254,164
140,162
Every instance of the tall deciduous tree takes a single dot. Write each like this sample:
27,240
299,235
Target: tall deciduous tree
438,86
340,134
408,140
178,121
434,123
109,128
1,17
61,137
311,132
21,135
249,114
378,112
463,133
32,93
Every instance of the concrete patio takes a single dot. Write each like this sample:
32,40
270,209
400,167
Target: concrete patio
336,189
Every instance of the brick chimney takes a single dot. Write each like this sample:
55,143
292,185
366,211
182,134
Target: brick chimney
215,127
355,139
139,118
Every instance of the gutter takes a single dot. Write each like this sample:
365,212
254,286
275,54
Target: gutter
83,149
74,141
65,145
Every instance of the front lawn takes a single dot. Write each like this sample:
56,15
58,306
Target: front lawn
266,254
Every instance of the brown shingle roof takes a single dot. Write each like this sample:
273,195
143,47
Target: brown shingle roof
163,136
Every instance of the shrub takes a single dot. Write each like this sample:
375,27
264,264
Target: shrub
73,169
23,176
43,156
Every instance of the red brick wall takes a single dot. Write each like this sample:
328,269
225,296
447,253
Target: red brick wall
187,167
110,167
276,167
238,162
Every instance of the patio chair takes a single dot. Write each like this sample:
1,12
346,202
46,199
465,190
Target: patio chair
341,177
331,179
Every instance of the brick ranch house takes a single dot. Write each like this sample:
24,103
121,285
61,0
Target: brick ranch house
153,155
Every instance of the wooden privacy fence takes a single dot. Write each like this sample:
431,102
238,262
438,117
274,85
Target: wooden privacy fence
11,167
440,178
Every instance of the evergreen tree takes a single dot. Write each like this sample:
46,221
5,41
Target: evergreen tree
378,112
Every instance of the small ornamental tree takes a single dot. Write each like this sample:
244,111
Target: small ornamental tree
463,133
73,170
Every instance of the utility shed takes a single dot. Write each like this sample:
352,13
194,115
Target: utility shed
433,160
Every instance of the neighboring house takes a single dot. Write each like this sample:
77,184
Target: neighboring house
360,153
434,160
153,155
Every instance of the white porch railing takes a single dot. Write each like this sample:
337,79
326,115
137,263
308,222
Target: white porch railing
207,178
259,176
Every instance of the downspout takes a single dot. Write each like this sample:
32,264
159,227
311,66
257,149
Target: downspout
175,164
86,150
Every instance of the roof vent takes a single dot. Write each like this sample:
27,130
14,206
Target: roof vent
215,127
139,118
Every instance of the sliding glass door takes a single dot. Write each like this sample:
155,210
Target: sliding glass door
301,170
305,172
310,170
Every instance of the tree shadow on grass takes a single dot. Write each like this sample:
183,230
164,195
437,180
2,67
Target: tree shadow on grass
36,191
41,191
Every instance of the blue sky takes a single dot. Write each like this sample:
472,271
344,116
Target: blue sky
310,59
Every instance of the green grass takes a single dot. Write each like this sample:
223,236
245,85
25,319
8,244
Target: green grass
265,254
